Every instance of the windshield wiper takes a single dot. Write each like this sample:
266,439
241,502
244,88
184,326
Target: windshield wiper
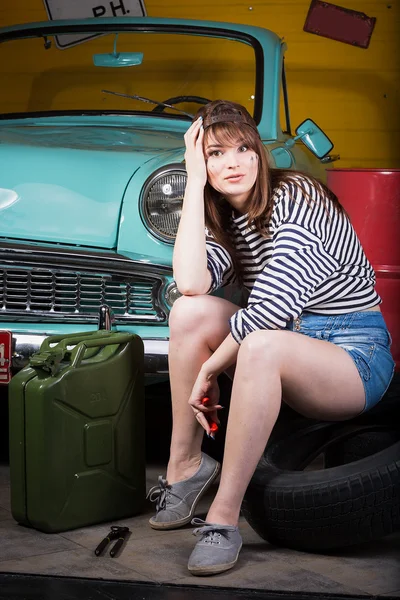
149,101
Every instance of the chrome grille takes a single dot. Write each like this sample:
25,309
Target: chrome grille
52,293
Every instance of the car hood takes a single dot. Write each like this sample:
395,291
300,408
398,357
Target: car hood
66,184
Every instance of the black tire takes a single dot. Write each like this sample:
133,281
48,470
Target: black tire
383,430
359,446
318,510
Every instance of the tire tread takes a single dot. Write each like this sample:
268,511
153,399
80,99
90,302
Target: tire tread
359,508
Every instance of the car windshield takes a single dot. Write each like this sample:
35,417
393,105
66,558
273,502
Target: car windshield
41,76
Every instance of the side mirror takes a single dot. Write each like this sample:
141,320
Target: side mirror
313,137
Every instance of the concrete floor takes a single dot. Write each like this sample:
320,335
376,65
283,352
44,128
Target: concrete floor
152,556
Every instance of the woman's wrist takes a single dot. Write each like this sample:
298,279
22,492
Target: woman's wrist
221,359
209,371
195,181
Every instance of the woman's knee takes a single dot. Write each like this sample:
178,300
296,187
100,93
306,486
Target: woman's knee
264,346
188,314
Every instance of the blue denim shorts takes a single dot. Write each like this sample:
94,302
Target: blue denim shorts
365,338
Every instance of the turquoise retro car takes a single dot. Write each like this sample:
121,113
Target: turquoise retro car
92,173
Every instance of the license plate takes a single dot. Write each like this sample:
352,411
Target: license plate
5,357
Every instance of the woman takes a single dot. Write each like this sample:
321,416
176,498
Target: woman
311,331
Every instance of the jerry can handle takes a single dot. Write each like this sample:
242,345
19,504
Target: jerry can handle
78,352
62,341
74,340
49,357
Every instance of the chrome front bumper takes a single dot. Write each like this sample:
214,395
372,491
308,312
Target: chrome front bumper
155,353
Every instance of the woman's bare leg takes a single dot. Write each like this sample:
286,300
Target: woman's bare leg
198,325
318,379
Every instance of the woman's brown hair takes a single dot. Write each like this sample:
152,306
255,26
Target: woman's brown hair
230,123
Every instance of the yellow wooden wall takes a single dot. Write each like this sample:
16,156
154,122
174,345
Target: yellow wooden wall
354,94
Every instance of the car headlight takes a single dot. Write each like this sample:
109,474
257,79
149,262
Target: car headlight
171,293
161,201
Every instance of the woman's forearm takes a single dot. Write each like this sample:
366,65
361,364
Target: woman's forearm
224,356
190,257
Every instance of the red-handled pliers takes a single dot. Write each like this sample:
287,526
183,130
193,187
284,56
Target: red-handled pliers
213,426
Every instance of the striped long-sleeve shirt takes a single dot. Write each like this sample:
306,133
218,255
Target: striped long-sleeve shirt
311,260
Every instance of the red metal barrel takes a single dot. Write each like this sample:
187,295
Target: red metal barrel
371,197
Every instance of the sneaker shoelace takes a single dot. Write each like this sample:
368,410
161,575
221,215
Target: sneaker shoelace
161,494
211,533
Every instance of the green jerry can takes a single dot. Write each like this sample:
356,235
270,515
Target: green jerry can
77,451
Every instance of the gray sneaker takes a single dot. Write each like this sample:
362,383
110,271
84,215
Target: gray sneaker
218,549
176,503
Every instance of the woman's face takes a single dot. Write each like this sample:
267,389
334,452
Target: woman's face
232,170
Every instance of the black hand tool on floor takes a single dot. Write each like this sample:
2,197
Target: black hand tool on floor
116,533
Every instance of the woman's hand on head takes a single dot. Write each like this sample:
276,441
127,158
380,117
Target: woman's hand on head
205,387
194,156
